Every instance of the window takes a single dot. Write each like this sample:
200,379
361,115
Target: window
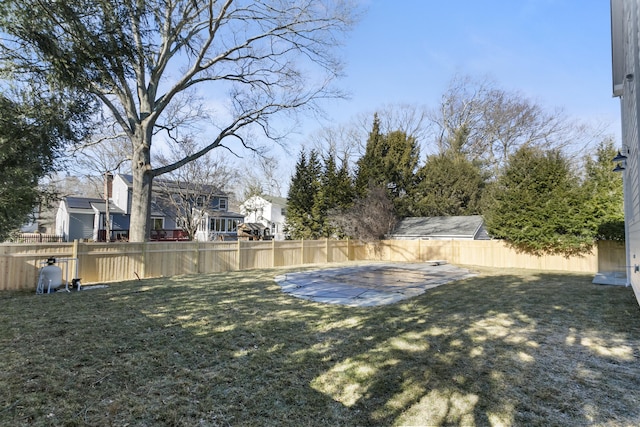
217,224
223,225
200,201
222,204
157,223
283,211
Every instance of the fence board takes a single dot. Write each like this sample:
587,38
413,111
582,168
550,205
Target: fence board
20,263
611,256
314,251
218,257
255,254
109,262
337,250
287,253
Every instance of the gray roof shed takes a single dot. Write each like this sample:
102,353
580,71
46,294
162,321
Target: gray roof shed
440,228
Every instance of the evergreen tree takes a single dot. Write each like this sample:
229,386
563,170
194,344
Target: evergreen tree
370,167
390,161
336,194
34,128
538,206
302,217
448,184
605,201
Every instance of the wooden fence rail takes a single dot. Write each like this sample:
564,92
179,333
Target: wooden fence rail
112,262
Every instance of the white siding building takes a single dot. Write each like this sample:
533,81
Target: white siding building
625,42
269,211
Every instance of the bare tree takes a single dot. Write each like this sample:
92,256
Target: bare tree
494,123
369,219
106,152
189,190
348,141
260,176
140,58
344,141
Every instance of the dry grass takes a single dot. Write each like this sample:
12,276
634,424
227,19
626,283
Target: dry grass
504,348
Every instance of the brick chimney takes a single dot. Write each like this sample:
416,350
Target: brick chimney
108,185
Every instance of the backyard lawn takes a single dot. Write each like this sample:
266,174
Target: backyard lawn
508,347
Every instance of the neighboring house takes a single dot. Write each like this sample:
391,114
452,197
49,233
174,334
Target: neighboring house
440,228
270,211
218,225
84,218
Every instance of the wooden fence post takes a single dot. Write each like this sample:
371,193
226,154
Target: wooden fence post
143,267
273,252
74,255
239,255
326,243
197,258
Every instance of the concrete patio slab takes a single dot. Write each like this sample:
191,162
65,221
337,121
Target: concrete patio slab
371,284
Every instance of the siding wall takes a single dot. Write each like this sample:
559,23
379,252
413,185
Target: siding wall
629,112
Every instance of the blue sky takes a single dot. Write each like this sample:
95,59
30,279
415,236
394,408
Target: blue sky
555,52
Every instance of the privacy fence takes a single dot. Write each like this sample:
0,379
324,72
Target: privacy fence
111,262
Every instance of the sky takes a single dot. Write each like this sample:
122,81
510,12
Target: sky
556,53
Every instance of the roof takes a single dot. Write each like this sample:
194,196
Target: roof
225,214
167,185
440,227
82,202
617,46
256,226
276,200
90,204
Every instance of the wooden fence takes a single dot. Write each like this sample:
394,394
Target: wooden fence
111,262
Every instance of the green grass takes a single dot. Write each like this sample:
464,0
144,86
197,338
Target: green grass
504,348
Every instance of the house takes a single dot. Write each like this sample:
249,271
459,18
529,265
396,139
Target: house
625,45
440,228
270,211
84,218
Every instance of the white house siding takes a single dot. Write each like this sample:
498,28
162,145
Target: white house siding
628,87
62,223
266,211
120,194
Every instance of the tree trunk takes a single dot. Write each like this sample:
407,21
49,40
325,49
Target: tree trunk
140,226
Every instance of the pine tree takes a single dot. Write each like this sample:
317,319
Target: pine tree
605,196
302,219
370,166
448,184
389,162
336,193
538,205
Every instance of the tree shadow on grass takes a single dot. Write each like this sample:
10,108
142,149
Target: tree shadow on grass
504,350
231,349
